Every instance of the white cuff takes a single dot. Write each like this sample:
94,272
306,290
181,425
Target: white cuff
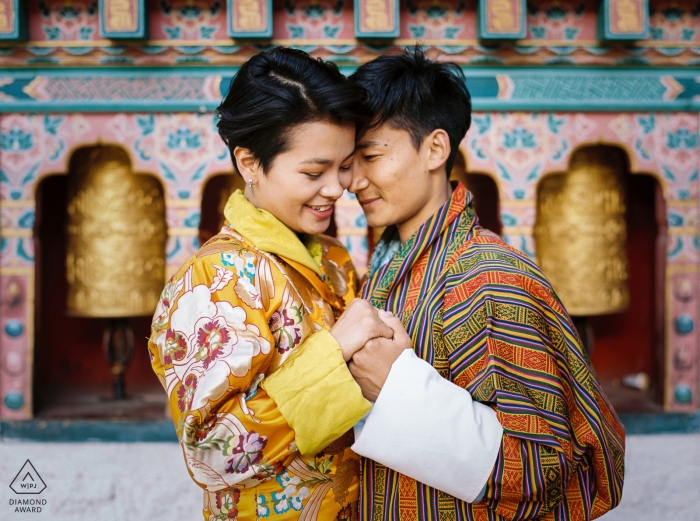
431,430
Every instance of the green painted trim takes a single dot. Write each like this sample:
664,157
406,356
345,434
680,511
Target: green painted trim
534,89
86,431
163,430
661,423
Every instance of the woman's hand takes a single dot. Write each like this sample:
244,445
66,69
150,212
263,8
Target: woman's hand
357,325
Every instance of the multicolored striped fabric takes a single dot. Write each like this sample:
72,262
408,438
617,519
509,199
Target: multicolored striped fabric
487,319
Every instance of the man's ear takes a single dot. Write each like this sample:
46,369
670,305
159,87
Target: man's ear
438,149
248,165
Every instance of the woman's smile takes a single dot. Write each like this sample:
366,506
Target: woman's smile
322,212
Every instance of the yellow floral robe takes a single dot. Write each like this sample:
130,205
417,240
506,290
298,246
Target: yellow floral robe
261,398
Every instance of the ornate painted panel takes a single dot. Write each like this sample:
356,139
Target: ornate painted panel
502,19
13,20
624,19
249,18
122,18
376,18
194,32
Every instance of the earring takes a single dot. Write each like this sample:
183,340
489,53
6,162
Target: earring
250,182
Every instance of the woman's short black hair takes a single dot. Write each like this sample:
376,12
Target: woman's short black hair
280,88
419,95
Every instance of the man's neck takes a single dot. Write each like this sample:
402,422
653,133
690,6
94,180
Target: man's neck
440,195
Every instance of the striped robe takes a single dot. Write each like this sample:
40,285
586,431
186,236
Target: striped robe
488,320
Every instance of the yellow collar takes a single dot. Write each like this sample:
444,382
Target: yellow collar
267,232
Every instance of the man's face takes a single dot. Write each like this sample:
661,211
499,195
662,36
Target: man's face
391,178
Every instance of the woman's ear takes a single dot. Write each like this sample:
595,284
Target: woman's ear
438,149
248,165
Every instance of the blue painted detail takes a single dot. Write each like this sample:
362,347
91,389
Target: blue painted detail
87,430
22,253
394,33
14,328
141,25
484,33
674,219
265,33
605,29
683,394
172,253
27,220
508,220
192,221
14,400
183,194
684,324
18,30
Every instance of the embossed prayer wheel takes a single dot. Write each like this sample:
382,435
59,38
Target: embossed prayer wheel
116,236
115,264
581,232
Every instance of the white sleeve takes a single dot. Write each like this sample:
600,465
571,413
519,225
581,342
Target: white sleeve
431,430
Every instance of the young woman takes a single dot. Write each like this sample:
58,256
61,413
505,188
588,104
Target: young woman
259,390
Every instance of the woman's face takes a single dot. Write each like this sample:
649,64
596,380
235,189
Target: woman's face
303,183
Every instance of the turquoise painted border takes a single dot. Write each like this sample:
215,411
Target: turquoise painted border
163,430
604,24
485,35
533,89
140,31
19,33
267,33
379,35
88,431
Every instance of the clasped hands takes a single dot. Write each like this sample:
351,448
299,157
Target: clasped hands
371,340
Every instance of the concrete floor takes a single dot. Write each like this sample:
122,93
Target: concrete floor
148,481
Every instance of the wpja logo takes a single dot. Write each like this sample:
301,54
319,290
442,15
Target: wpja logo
28,481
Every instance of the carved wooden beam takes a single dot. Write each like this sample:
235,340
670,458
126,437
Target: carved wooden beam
123,18
249,18
377,18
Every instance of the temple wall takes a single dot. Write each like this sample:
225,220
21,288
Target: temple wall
537,100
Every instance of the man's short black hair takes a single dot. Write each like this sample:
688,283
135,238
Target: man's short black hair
418,95
276,90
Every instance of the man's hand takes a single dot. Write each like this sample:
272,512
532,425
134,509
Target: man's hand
359,323
370,365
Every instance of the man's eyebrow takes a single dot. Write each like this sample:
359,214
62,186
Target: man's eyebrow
366,144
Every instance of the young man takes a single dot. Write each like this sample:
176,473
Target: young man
495,413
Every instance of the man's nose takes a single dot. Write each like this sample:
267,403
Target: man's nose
359,181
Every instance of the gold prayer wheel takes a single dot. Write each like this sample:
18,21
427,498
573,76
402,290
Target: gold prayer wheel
581,232
115,263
